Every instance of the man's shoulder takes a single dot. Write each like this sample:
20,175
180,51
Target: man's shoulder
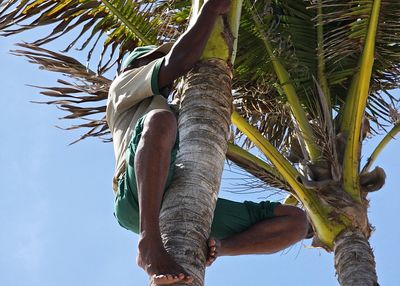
130,79
142,69
129,73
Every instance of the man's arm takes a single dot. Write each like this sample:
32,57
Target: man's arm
189,47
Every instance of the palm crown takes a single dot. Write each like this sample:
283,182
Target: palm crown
319,44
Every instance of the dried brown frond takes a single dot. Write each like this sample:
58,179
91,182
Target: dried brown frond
83,99
118,26
267,113
270,179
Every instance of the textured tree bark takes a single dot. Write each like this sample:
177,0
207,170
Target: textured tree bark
354,260
188,205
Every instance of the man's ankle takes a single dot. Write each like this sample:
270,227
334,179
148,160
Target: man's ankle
147,238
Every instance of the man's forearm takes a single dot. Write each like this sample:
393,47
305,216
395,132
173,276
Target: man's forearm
189,47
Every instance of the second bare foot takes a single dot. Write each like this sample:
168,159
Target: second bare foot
214,246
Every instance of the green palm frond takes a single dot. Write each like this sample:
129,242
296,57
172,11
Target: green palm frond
292,28
119,25
289,27
345,25
261,99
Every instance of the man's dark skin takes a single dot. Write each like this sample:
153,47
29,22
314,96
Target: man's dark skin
152,161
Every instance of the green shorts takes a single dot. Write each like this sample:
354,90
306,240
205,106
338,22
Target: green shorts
229,217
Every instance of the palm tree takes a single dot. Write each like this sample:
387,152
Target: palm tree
313,86
204,120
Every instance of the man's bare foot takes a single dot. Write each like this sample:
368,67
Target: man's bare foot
159,265
214,247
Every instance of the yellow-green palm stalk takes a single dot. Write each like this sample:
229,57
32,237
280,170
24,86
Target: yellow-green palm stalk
355,109
291,200
327,229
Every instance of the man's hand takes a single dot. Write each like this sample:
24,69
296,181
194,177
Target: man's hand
218,6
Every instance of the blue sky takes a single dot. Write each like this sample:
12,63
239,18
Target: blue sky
56,220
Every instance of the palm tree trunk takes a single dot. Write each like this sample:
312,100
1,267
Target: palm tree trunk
188,205
354,260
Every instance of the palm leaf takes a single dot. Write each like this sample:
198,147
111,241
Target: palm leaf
268,114
82,98
119,25
292,30
345,24
354,110
258,168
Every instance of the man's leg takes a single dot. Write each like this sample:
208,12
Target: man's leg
152,160
288,226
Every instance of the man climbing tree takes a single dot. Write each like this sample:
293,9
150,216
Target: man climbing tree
144,133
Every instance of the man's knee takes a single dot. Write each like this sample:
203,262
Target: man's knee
160,120
160,125
297,218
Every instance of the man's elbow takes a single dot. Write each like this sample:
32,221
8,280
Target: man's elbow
181,64
187,65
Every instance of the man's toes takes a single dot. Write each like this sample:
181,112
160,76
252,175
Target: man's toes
213,246
187,279
164,279
171,279
159,279
211,242
212,252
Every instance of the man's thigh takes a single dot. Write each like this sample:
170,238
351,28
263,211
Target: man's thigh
232,217
160,125
126,203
